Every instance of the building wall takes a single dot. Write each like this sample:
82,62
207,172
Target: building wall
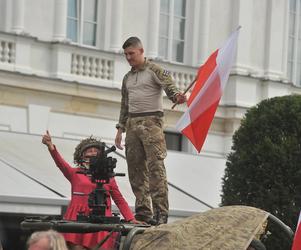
47,82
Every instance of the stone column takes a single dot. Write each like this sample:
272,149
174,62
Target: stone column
242,14
18,16
274,65
60,20
203,8
153,28
116,25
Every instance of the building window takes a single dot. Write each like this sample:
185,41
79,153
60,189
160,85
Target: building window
173,141
172,30
294,42
82,21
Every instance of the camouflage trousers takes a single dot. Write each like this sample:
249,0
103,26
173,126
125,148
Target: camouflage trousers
145,153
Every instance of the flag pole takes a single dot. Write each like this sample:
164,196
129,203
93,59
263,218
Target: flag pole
186,90
191,84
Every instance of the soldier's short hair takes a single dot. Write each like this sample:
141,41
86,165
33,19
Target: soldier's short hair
132,41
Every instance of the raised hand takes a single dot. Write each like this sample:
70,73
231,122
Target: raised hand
47,140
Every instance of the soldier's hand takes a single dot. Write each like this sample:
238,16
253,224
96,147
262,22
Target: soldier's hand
118,139
180,98
47,140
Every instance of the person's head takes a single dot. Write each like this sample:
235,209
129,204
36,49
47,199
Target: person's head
46,240
85,149
133,51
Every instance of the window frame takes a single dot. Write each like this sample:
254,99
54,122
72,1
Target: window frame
81,21
171,15
179,137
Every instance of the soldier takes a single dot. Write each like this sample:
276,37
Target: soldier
141,117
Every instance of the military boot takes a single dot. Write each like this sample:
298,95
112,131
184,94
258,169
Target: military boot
147,220
159,217
162,219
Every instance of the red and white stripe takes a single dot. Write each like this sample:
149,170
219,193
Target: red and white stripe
204,99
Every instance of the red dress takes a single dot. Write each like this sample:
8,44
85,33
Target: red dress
81,187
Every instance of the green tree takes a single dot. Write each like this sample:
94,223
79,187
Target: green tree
264,167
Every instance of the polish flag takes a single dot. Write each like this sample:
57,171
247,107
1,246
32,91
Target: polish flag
297,237
207,92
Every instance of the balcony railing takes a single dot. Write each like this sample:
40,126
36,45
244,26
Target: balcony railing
183,79
73,63
7,52
91,66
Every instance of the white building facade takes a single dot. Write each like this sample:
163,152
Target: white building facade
61,68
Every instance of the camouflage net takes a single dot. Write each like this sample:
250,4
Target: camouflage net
225,228
84,145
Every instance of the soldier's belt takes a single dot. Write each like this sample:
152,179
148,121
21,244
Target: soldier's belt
156,113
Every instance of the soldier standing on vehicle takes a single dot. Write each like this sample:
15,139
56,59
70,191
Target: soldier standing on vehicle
141,118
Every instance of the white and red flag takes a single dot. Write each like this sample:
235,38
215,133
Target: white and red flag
297,237
207,92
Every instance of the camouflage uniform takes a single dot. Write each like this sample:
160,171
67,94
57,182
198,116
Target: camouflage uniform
145,141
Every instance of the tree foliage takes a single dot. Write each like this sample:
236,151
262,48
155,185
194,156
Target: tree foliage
264,167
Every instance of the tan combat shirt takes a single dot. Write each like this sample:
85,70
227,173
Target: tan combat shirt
142,90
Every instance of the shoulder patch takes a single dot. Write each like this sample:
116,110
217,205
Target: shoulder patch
166,73
162,74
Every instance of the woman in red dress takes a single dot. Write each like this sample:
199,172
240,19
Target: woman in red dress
81,187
